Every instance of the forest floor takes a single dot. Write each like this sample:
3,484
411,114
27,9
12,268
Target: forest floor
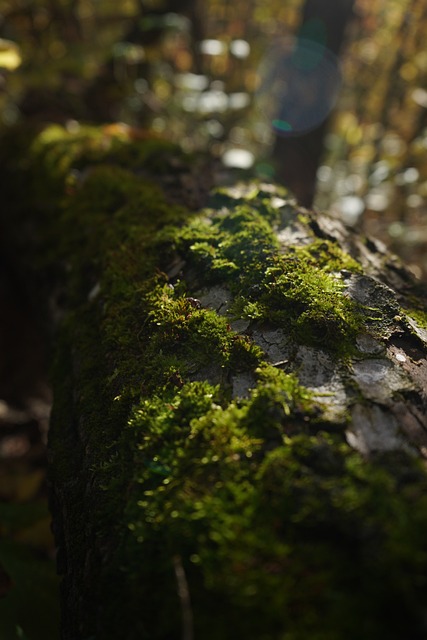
28,581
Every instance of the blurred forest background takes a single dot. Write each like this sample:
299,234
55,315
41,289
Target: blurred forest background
208,74
211,75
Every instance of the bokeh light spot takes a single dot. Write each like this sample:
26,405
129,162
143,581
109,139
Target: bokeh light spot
240,48
238,158
212,47
299,84
281,125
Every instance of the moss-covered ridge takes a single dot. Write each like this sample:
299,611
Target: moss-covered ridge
236,510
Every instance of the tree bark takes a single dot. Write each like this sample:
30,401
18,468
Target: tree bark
239,422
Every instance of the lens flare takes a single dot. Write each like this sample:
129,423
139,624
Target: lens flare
300,82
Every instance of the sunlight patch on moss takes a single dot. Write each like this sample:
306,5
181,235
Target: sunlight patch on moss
419,316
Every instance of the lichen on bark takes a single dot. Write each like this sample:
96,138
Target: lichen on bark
239,393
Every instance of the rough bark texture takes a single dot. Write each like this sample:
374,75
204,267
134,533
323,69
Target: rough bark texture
239,422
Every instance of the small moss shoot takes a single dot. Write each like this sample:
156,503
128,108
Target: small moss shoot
419,315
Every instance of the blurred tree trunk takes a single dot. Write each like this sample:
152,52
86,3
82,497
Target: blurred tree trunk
297,158
103,97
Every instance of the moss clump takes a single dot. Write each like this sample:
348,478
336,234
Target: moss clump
301,289
228,246
305,540
191,337
61,150
307,297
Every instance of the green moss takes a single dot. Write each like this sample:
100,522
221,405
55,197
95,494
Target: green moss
60,149
226,246
60,158
192,480
306,540
303,291
419,315
194,337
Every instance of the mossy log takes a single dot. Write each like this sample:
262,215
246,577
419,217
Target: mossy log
239,425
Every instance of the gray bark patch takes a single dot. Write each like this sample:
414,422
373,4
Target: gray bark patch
378,378
374,429
274,342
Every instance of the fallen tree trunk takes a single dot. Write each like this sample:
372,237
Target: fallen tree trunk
239,423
